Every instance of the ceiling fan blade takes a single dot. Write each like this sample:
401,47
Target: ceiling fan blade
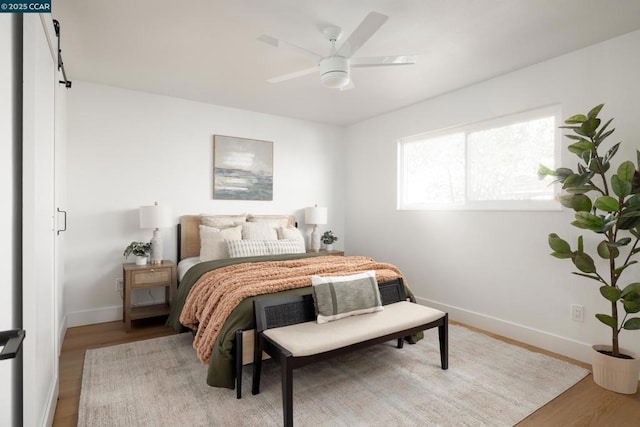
348,86
293,75
362,33
281,44
381,61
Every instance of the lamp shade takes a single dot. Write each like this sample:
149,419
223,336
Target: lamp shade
315,215
155,216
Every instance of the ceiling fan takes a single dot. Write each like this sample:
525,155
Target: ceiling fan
335,68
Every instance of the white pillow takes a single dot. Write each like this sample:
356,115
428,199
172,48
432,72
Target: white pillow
285,246
245,248
222,221
290,233
242,248
212,241
277,220
259,231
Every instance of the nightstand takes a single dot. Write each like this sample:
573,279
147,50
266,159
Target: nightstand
146,277
326,252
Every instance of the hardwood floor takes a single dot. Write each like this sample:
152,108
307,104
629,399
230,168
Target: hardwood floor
585,404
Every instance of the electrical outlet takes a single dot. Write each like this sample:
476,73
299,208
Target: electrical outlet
119,285
577,313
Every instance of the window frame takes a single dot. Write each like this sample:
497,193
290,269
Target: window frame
489,205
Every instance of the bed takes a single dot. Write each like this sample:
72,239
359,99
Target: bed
216,292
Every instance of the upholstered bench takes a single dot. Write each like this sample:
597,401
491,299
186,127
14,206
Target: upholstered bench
287,330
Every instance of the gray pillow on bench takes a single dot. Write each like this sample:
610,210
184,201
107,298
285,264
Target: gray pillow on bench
342,296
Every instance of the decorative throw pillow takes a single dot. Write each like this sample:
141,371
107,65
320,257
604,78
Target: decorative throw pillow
242,248
290,233
212,241
285,246
259,231
342,296
222,221
276,220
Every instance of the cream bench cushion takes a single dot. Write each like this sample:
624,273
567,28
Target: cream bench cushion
308,338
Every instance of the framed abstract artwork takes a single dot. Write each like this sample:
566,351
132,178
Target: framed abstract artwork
242,168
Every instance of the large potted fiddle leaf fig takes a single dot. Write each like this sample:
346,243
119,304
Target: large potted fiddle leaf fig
606,201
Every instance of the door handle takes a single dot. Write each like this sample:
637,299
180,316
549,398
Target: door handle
12,341
65,221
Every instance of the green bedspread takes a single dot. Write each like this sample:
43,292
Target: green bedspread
221,371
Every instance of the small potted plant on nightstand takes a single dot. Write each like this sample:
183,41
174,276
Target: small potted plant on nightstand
140,250
327,239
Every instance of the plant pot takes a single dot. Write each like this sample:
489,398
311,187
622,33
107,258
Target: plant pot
328,247
614,373
141,260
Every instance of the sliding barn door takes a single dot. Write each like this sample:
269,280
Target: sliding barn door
40,351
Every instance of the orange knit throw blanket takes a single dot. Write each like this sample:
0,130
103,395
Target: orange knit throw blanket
217,293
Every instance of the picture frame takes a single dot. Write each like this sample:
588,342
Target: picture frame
242,168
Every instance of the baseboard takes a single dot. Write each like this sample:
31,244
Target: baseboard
557,344
89,317
61,333
53,401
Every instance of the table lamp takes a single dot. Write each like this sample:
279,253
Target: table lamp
315,216
155,217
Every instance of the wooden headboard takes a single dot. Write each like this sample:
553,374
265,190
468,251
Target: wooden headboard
189,236
189,232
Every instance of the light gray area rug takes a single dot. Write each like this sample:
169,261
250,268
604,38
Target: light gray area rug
160,382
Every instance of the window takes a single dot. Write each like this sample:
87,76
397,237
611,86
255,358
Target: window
491,165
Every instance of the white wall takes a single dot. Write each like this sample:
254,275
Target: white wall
126,149
493,269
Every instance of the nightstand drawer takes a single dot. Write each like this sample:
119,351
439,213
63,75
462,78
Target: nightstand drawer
153,276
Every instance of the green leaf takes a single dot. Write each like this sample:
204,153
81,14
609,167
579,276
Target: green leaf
589,221
544,171
610,293
632,288
600,135
596,278
607,204
595,111
580,202
605,251
580,244
583,262
624,241
558,245
562,255
578,118
626,171
621,188
612,152
589,127
632,324
565,200
621,269
607,320
581,146
631,306
632,202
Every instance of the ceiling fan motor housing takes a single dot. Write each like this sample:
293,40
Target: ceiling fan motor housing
334,72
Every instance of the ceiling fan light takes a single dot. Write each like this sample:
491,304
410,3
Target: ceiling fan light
335,79
334,72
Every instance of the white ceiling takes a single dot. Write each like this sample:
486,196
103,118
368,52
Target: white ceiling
206,50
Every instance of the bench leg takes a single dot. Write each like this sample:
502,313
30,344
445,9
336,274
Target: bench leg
287,393
257,365
238,363
443,335
400,342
